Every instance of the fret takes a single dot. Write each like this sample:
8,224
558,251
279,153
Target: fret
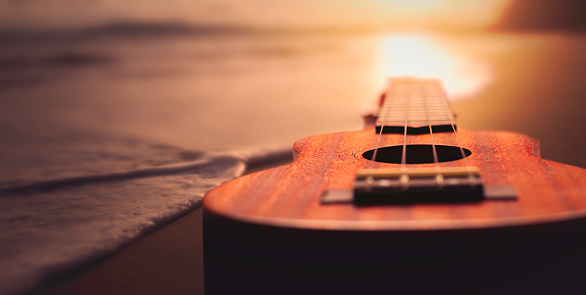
410,113
415,119
415,104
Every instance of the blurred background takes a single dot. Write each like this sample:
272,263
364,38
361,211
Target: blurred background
103,86
96,86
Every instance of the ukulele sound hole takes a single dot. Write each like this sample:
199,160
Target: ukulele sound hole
416,154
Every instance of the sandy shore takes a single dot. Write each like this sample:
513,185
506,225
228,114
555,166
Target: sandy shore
167,261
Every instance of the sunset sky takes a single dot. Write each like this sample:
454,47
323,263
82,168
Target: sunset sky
414,14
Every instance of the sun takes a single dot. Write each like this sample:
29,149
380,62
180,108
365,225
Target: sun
427,56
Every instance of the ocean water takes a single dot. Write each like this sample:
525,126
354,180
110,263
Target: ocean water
196,93
233,90
108,134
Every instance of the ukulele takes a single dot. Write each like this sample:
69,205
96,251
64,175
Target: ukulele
411,204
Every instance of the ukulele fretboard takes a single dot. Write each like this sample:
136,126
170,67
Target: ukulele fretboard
417,105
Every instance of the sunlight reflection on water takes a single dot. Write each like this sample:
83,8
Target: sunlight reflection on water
428,56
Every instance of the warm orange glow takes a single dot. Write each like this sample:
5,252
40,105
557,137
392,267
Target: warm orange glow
394,14
426,56
452,14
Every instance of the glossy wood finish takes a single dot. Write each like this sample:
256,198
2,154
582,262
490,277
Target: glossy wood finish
268,230
289,196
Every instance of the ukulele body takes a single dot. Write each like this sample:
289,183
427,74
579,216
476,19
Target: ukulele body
268,232
289,196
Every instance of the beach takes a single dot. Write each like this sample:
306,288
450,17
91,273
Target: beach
148,122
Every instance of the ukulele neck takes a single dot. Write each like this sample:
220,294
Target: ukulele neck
415,106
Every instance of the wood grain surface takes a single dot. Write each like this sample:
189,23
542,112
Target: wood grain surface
289,196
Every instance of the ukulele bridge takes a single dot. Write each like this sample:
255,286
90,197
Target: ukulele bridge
446,185
439,185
